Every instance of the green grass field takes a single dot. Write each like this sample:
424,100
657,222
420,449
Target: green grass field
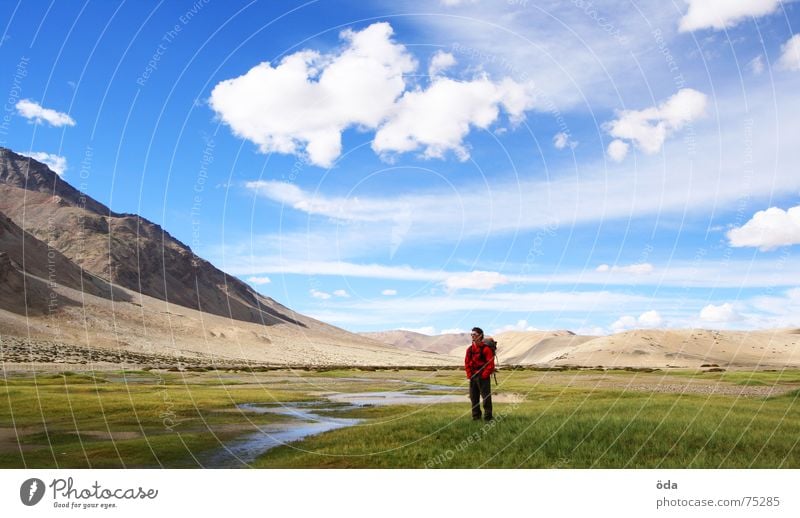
573,419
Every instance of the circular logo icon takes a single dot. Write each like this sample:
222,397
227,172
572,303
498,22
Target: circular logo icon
31,491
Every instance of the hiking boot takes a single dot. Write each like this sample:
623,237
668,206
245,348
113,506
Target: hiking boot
488,418
476,418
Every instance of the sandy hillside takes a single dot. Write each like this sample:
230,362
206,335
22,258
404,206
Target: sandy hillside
690,348
535,347
409,340
151,326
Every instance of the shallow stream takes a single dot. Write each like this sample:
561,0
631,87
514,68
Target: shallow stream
313,418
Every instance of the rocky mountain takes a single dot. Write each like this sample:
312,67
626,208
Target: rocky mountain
72,271
125,249
29,268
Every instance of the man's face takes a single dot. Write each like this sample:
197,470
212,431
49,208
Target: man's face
476,337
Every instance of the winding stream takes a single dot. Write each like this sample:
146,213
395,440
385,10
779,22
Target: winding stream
307,420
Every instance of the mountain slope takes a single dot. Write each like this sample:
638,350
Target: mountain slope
28,268
126,249
59,247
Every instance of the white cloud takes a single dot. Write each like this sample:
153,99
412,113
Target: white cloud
389,293
387,310
56,163
451,3
648,319
336,268
721,14
319,294
521,325
562,140
623,323
790,54
437,119
635,269
721,313
649,128
259,280
776,311
426,330
617,150
768,229
440,62
475,280
341,293
756,65
633,191
345,209
307,101
34,111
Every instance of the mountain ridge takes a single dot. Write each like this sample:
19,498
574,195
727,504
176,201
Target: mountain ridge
126,249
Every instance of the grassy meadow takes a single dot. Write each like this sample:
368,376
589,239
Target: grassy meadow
569,419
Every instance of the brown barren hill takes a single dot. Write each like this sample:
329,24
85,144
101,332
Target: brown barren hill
126,249
59,249
29,268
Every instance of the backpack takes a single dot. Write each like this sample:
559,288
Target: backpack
491,343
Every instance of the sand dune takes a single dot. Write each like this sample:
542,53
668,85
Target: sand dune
536,347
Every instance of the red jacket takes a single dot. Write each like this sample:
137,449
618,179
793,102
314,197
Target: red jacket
479,358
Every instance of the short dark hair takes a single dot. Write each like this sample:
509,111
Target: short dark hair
478,330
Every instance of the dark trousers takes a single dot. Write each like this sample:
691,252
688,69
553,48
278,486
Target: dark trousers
480,388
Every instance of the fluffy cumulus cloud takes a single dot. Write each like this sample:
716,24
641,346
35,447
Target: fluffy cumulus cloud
476,280
649,128
389,293
648,319
722,313
259,280
521,325
561,140
341,293
768,229
721,14
790,54
617,150
317,294
437,119
302,105
56,163
440,62
37,113
635,269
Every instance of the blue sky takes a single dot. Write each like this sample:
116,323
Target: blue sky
593,166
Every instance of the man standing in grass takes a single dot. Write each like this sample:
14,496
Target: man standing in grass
479,364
